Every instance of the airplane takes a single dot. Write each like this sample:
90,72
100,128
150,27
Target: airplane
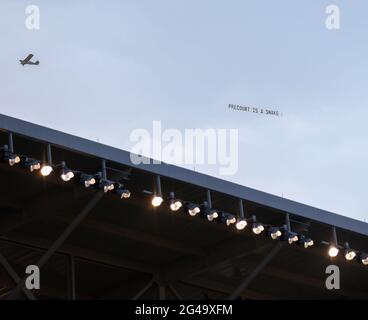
28,60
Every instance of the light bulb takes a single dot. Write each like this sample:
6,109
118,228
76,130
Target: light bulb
193,212
308,243
230,221
241,224
67,176
108,187
35,166
333,252
212,215
89,182
13,160
276,234
125,194
257,229
156,201
365,260
175,205
46,170
350,255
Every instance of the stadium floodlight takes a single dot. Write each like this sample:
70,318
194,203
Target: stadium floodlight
364,258
193,209
46,170
241,223
8,152
10,157
227,218
292,237
31,164
333,250
88,180
175,204
275,233
121,191
210,213
349,253
257,227
66,174
47,167
305,242
157,195
107,185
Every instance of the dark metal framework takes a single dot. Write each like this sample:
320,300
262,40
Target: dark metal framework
194,259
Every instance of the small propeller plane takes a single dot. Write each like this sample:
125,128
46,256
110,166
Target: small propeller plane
28,60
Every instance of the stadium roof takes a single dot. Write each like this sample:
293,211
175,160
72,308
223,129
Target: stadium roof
185,254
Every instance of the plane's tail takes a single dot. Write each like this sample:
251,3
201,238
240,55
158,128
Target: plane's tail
21,62
37,62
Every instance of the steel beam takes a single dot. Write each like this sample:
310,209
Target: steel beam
143,290
59,241
15,276
175,292
247,281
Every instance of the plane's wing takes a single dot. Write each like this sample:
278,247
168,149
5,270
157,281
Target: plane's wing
29,57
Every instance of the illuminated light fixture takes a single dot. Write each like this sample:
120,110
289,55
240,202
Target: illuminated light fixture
333,251
241,223
175,204
157,196
47,167
364,258
46,170
289,236
257,227
126,194
9,154
230,220
31,164
275,233
227,218
349,253
211,214
156,201
193,209
305,242
13,159
106,185
292,237
66,173
10,157
122,192
88,180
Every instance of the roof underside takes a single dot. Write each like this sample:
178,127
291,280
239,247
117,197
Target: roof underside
122,244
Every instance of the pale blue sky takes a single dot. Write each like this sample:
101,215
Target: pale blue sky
108,67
